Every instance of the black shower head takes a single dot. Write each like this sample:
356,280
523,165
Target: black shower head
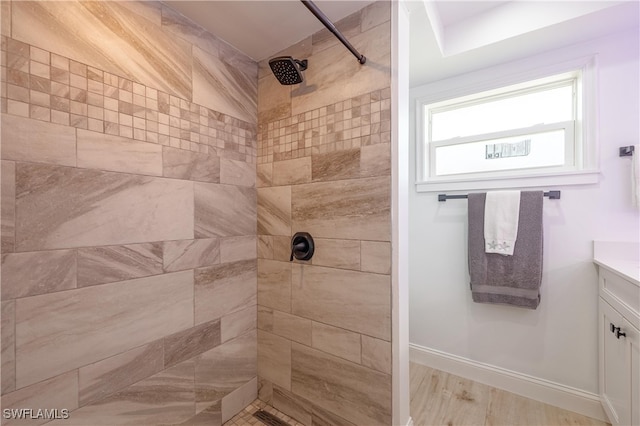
288,70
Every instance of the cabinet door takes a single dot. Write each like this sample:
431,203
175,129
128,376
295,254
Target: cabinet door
615,374
633,348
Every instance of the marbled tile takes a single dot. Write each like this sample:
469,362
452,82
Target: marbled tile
165,398
60,207
189,165
343,254
234,402
176,24
98,380
359,394
151,10
291,327
265,319
210,416
235,58
233,249
274,359
337,76
190,254
274,210
225,368
265,247
225,288
376,257
350,209
137,49
5,16
291,172
237,323
29,274
239,173
107,152
375,160
24,139
224,210
186,344
336,341
336,165
282,248
56,393
107,264
321,294
264,175
292,405
274,99
322,417
376,354
223,88
274,284
265,390
8,340
60,331
375,14
348,26
7,206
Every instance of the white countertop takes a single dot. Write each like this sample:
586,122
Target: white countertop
622,258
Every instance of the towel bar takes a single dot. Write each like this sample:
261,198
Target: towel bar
552,195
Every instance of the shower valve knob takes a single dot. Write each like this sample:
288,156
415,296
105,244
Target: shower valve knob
302,246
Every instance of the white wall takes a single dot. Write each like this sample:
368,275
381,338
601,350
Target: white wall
558,341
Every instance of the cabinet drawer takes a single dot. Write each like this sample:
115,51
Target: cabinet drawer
622,294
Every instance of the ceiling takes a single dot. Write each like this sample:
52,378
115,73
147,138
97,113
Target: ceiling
448,37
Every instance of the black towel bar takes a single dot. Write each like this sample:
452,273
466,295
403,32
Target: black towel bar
553,195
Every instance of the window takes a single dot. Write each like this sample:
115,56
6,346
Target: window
522,132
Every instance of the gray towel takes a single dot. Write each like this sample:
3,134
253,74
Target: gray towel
512,280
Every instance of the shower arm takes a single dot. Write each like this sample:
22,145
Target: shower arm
327,23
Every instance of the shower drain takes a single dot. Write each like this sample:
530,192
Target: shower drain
269,419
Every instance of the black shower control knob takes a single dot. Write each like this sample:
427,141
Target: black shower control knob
302,246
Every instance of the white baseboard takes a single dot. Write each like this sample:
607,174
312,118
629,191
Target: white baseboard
566,397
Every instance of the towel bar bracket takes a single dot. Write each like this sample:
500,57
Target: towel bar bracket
552,195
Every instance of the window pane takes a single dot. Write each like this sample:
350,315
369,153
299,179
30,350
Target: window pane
542,150
544,107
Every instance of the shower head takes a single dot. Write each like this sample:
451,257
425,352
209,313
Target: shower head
288,70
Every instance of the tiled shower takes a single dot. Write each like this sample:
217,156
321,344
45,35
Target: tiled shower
152,177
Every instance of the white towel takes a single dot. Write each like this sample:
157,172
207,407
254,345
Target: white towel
501,215
635,178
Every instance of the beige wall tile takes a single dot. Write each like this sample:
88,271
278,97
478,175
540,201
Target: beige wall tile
210,416
282,248
60,331
264,175
265,390
188,343
365,394
375,14
224,210
8,340
274,210
181,164
5,24
292,327
107,152
238,323
224,369
274,359
336,341
238,248
322,417
28,274
237,400
106,264
322,294
189,254
291,172
353,209
343,254
265,247
292,405
238,60
56,393
149,10
7,206
375,160
348,26
176,24
98,380
237,173
274,99
376,354
274,284
265,319
59,207
24,139
376,257
225,288
336,165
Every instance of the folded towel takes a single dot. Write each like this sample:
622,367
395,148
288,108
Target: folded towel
635,178
513,280
501,212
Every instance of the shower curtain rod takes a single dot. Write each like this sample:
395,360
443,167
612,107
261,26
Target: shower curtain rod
553,195
327,23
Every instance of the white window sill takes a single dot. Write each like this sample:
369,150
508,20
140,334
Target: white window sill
585,177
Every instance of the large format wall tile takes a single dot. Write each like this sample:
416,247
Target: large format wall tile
28,274
239,173
237,323
343,254
224,210
8,340
7,206
352,300
291,172
177,24
189,254
97,322
181,164
274,359
350,209
186,344
107,264
59,207
136,47
336,341
356,393
336,165
240,398
233,249
274,210
274,284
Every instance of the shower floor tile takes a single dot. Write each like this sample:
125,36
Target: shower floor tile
245,417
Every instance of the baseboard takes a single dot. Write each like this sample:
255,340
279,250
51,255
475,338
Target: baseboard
566,397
